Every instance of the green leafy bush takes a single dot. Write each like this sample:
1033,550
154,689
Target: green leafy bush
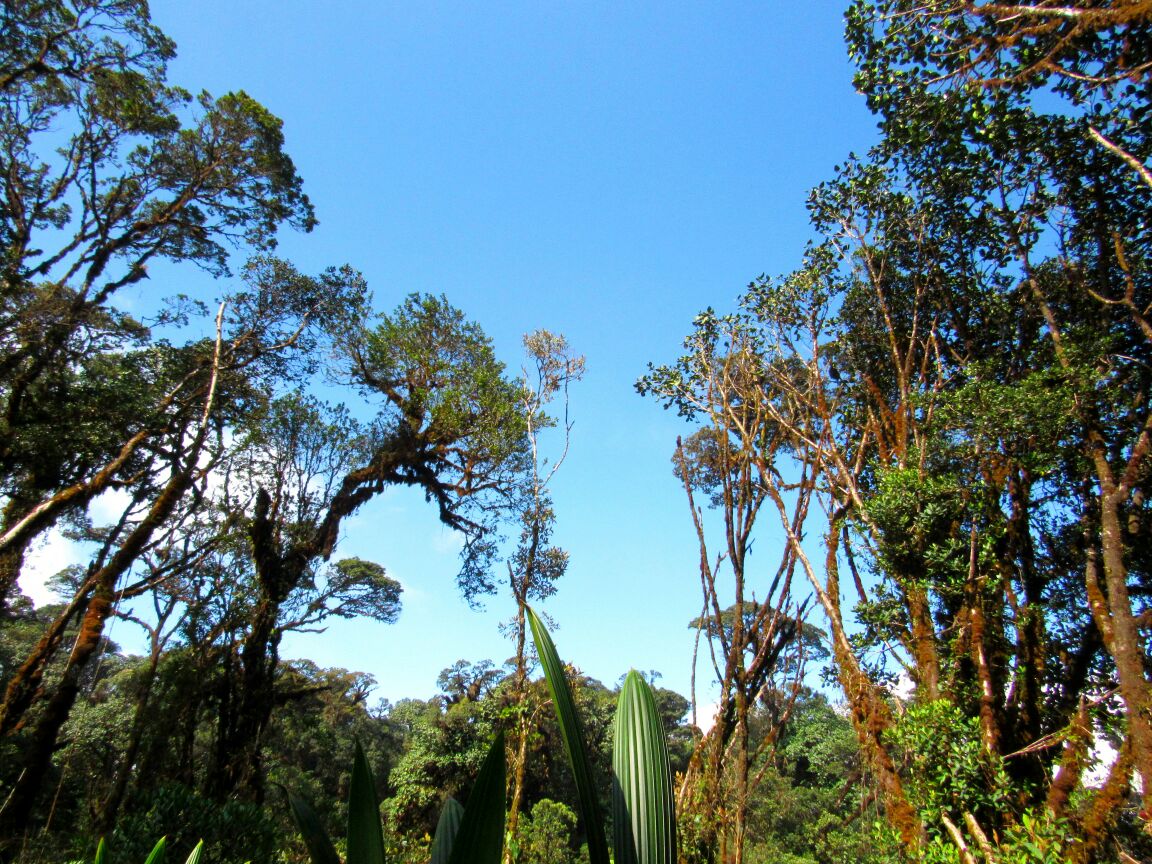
232,833
545,836
948,769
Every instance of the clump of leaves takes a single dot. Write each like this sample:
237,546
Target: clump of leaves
949,771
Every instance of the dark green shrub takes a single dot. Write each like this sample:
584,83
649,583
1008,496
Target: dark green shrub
233,833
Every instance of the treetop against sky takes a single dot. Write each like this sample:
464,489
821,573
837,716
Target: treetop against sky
601,170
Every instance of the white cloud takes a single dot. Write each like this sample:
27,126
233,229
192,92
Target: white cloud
52,552
448,542
47,557
706,716
107,507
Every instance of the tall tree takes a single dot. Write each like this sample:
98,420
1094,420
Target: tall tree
106,167
200,388
756,644
1066,213
536,564
960,371
448,423
178,461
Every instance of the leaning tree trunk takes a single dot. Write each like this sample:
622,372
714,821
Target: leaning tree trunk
871,717
12,556
46,731
24,685
110,808
237,769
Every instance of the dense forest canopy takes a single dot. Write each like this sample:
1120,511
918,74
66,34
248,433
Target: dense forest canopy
938,423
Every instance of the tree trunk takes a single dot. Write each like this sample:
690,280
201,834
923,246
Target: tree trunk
238,767
923,642
12,556
46,731
1111,606
740,820
520,760
41,744
23,686
1096,824
110,808
871,716
520,756
1112,609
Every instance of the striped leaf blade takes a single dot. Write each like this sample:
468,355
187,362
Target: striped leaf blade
156,856
365,840
320,848
642,806
480,838
573,735
446,829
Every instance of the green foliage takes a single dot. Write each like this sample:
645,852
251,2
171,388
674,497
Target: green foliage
920,518
158,853
643,810
320,848
109,169
948,768
1037,838
365,839
232,833
446,829
444,753
812,805
480,835
574,741
546,835
467,681
960,366
949,366
323,714
448,422
440,371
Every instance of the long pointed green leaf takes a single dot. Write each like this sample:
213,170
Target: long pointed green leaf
573,736
320,848
480,838
643,815
101,852
365,840
446,830
194,855
157,854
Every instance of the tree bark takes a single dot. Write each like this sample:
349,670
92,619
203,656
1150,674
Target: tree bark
1112,609
109,810
24,685
871,716
11,556
46,730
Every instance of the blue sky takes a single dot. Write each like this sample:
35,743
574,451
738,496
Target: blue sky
601,169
